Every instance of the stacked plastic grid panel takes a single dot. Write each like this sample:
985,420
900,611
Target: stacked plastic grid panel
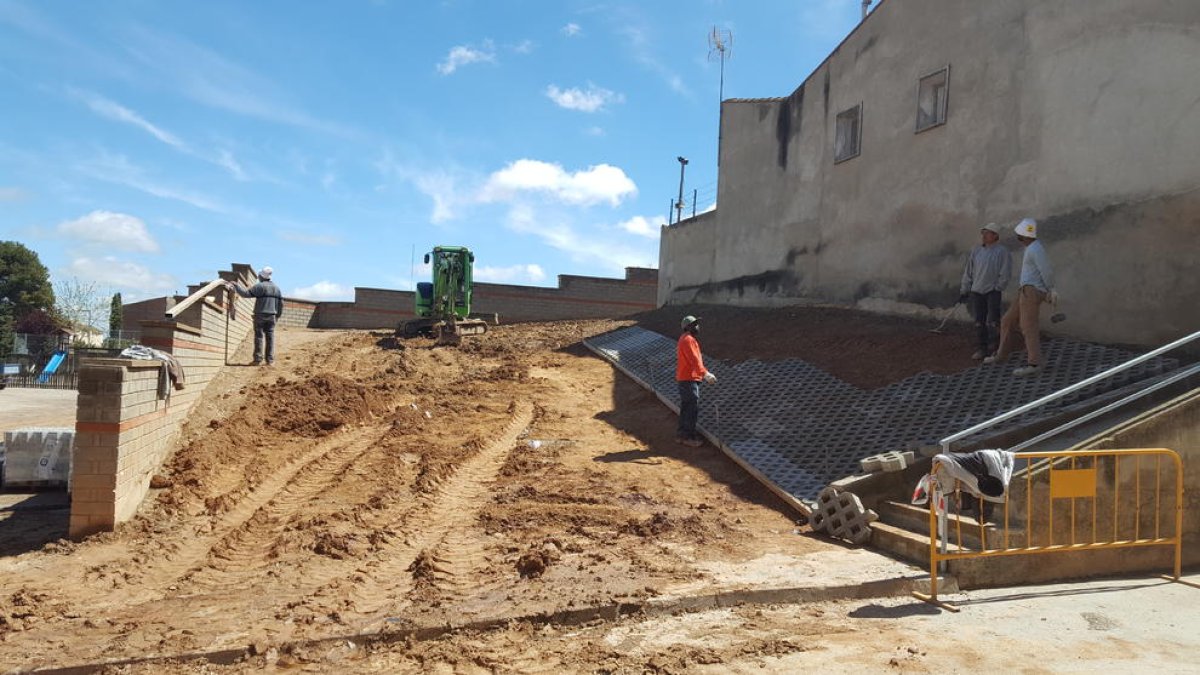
803,428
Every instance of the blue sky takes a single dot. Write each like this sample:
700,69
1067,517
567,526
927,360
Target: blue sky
146,144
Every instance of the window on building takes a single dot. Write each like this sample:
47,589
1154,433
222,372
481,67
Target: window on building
848,134
932,95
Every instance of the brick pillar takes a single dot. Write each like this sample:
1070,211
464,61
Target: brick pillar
97,444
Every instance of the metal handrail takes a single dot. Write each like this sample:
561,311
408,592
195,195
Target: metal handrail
945,442
194,298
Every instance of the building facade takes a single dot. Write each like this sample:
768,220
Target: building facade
867,185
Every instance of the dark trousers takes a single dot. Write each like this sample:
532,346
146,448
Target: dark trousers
264,331
689,409
985,307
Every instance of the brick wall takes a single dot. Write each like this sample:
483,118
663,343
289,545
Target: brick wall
298,313
125,426
134,313
576,297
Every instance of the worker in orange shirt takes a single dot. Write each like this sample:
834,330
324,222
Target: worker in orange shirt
689,372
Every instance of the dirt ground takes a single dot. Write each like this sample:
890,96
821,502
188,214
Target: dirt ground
367,485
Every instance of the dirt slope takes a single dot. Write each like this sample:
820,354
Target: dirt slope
360,484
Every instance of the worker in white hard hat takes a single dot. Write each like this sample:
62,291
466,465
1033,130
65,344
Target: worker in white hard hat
268,306
985,276
1036,287
689,373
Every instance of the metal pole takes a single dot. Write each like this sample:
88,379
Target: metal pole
694,192
679,204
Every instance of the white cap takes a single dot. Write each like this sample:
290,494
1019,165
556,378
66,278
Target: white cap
991,227
1026,228
265,273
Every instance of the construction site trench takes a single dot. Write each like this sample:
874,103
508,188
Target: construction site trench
368,485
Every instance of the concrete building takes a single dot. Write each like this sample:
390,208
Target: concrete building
868,184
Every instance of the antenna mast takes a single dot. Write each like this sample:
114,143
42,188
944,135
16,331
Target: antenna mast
720,42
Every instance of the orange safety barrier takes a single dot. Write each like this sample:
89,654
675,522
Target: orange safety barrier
1105,480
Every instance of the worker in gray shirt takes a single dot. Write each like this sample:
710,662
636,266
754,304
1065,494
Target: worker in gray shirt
1037,286
268,306
986,275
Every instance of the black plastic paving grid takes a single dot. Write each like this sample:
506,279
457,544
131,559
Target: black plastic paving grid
803,428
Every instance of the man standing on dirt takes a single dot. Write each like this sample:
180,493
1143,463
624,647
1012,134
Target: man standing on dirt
689,372
268,306
988,271
1037,286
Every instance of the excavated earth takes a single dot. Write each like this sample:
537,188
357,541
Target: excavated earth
369,485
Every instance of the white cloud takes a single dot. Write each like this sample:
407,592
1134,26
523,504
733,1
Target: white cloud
122,274
463,55
211,79
597,184
12,194
641,226
310,239
557,231
118,169
510,274
590,100
324,290
442,188
443,185
115,111
524,47
115,230
226,160
641,44
594,131
571,29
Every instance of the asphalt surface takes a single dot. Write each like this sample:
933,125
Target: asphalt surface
22,408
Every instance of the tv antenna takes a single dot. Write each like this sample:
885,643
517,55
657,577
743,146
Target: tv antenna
720,43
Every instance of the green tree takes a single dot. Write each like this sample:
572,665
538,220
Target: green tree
24,288
6,328
115,317
24,280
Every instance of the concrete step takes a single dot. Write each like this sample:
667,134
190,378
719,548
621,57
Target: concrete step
901,543
915,519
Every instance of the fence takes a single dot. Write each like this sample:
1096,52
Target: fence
63,380
1119,509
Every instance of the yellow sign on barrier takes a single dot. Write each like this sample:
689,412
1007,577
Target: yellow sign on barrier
1068,483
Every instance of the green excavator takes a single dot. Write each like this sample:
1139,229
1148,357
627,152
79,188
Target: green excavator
443,306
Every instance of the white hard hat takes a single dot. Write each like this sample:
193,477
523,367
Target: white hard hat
265,272
1026,228
991,227
688,320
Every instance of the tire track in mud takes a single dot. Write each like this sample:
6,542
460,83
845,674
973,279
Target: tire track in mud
244,552
434,528
191,556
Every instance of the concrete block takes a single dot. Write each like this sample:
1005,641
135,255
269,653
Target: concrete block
38,456
841,515
887,461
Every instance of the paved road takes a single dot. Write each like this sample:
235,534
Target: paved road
21,408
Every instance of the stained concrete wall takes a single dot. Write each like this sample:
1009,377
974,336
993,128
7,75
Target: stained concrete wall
1080,113
1174,425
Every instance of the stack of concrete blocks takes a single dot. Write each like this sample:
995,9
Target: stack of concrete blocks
888,461
841,514
126,423
37,457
